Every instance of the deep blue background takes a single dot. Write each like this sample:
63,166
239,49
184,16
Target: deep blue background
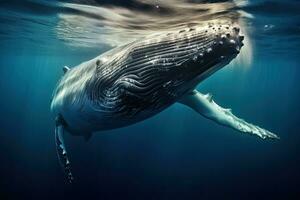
174,155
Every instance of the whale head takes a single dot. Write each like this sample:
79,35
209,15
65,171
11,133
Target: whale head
185,57
210,49
157,70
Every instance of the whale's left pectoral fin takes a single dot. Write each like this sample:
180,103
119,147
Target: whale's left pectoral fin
61,148
204,105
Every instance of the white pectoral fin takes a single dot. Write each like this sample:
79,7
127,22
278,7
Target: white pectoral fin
204,105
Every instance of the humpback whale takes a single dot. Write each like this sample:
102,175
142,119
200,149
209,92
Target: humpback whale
133,82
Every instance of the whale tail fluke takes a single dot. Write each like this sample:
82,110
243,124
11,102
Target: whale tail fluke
61,148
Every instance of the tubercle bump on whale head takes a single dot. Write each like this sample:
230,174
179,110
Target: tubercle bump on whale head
226,43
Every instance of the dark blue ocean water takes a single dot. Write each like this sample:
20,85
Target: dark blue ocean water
175,155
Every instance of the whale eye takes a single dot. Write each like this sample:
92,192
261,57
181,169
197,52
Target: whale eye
98,63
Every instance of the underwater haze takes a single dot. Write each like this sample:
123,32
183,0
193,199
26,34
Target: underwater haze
176,154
